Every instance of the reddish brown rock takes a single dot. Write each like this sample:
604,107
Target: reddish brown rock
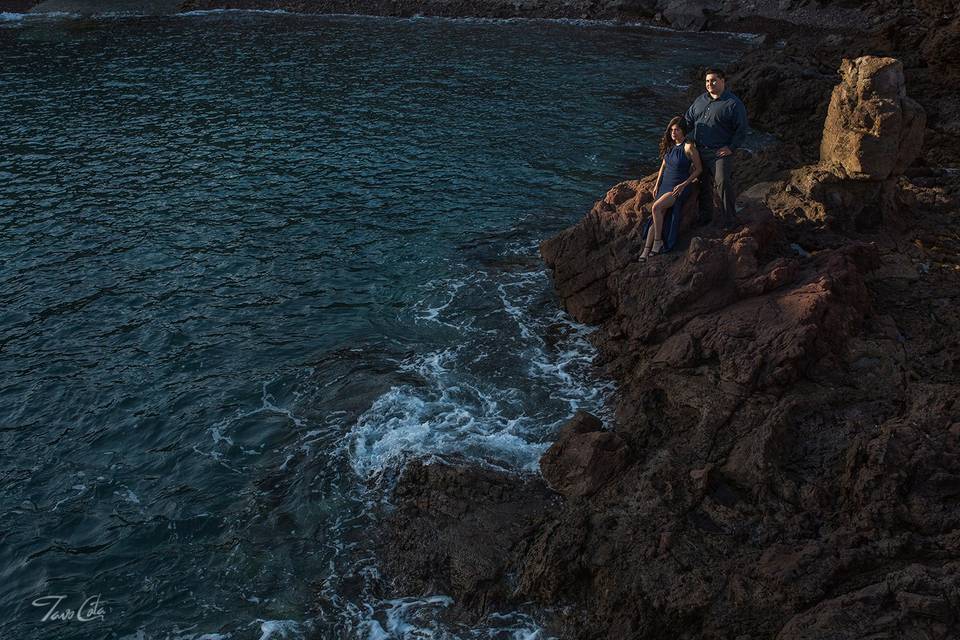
583,458
608,240
787,393
873,130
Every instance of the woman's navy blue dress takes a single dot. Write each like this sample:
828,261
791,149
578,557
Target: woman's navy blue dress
677,170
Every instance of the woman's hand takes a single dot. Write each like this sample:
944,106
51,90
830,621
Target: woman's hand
677,190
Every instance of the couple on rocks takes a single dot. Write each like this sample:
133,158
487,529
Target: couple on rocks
702,140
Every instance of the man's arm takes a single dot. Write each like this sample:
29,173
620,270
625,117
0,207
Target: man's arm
740,125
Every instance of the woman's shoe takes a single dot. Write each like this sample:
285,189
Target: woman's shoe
647,248
657,248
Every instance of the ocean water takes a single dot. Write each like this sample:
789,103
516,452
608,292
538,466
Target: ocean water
251,263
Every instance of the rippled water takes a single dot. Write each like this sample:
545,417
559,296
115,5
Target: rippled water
253,262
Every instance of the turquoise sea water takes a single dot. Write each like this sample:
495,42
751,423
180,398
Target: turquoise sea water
250,263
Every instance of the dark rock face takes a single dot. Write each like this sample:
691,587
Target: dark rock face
17,6
583,458
86,7
458,528
688,15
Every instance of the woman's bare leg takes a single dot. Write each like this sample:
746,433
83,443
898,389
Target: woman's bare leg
659,212
648,243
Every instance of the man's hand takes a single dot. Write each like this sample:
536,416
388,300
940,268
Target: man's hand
723,152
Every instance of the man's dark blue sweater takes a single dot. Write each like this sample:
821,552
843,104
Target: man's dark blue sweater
717,123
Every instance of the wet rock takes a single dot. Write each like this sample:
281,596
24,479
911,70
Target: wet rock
583,458
455,529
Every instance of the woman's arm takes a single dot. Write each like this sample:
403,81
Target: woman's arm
694,156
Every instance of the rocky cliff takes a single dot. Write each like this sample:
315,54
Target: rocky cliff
785,458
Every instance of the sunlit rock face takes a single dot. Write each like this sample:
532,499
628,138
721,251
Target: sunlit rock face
873,129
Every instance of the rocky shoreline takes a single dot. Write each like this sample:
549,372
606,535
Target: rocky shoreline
785,457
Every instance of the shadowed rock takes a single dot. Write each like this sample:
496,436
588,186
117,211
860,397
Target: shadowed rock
458,528
583,458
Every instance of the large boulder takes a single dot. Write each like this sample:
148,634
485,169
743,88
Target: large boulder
873,130
872,133
583,458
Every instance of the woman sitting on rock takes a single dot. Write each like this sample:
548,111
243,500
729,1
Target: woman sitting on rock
670,190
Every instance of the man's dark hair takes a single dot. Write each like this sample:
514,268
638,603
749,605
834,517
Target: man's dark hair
716,72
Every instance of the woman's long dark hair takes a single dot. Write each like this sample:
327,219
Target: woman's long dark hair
666,143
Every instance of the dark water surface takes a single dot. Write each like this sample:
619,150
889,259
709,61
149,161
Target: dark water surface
249,263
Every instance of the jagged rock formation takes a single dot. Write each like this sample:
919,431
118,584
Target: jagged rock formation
792,462
873,129
873,132
458,528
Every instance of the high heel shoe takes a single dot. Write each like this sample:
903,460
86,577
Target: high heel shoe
647,247
657,248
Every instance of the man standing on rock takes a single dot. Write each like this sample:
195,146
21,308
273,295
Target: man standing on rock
718,121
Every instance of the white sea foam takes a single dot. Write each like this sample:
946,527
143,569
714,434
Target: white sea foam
11,17
279,629
129,496
394,618
456,419
213,12
476,399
